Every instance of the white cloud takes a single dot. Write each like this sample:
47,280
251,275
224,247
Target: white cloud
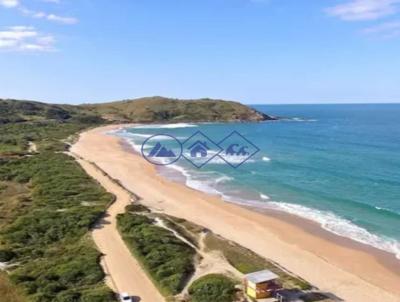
60,19
38,14
357,10
50,17
25,38
385,30
9,3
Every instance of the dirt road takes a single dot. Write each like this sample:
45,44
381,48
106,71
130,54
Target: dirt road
124,273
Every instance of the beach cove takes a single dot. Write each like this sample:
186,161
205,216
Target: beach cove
351,271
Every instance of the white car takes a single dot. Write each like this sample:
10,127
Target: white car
124,297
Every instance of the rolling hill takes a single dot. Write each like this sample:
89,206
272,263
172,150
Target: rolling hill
160,109
143,110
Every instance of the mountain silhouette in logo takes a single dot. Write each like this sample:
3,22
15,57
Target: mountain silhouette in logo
160,151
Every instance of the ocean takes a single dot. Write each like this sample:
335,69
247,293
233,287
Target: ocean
337,165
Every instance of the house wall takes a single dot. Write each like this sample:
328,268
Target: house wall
257,290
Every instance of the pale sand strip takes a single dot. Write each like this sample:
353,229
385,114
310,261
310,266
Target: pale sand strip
351,274
124,273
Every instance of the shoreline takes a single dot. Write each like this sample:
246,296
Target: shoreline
350,270
387,259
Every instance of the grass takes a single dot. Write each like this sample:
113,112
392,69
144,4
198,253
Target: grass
160,109
8,291
247,261
168,260
14,198
43,218
45,226
186,229
48,135
212,288
150,109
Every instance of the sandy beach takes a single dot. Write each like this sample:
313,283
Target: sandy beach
351,271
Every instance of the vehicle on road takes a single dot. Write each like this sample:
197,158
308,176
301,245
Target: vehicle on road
124,297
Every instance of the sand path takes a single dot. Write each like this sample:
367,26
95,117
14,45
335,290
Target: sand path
124,273
210,262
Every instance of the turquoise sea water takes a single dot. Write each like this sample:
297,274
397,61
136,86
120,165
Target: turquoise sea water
338,165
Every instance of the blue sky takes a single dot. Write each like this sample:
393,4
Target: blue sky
254,51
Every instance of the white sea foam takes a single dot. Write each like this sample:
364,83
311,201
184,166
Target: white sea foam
193,183
266,158
138,135
136,147
223,179
340,226
231,159
165,126
329,221
127,134
298,119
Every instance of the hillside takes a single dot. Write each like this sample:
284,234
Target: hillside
16,111
160,109
144,110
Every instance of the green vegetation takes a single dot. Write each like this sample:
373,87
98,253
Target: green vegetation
212,288
44,222
168,260
151,109
247,261
186,229
137,207
48,136
8,291
48,203
12,111
6,255
44,212
159,109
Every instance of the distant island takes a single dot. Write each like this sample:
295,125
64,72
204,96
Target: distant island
142,110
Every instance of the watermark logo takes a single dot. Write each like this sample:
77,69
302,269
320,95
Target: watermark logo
162,149
236,149
198,149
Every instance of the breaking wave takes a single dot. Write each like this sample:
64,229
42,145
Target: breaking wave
340,226
165,126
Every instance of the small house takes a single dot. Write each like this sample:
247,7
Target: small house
199,149
261,285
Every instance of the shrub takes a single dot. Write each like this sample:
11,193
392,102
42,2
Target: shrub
136,207
168,260
57,262
212,288
6,255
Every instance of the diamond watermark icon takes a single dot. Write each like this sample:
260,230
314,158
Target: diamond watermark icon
199,149
236,149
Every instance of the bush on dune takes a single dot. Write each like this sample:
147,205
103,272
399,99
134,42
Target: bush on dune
168,260
212,288
58,262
